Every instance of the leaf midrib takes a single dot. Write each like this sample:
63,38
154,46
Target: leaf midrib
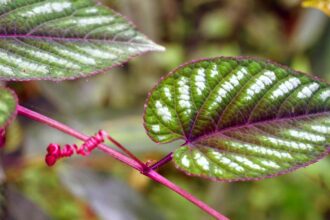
71,39
236,127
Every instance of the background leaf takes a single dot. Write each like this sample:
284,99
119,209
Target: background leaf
64,39
241,118
323,5
8,103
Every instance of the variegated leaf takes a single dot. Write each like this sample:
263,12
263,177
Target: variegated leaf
241,118
64,39
8,104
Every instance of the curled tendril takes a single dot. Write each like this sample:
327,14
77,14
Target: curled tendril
55,152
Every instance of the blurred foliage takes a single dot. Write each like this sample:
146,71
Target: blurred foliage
323,5
280,30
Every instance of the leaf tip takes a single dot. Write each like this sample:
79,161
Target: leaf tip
157,47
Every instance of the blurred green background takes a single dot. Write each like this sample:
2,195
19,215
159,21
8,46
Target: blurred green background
99,187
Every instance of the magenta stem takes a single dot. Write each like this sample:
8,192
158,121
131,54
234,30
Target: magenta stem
121,157
162,161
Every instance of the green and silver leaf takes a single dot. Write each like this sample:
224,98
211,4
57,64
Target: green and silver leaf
64,39
8,105
241,118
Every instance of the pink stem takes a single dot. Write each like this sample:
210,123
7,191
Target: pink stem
121,157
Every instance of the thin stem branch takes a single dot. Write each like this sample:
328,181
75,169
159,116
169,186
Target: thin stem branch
128,153
121,157
162,161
